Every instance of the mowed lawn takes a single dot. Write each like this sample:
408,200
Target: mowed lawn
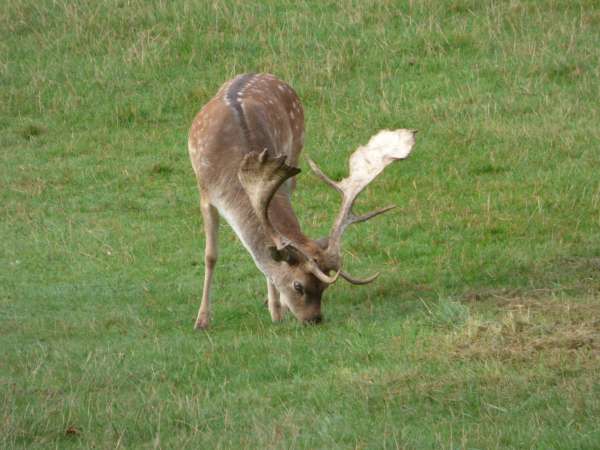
483,329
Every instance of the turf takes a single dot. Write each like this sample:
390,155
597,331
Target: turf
481,332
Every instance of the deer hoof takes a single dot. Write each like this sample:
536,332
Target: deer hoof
202,324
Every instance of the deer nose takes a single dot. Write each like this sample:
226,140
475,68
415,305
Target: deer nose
314,320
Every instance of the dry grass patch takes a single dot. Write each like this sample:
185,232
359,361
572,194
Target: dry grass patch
529,328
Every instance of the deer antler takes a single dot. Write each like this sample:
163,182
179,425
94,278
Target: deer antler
365,164
261,176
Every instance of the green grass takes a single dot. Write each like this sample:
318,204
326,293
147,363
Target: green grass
481,332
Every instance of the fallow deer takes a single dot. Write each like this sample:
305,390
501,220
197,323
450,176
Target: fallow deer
244,147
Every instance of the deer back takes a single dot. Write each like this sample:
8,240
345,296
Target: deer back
250,113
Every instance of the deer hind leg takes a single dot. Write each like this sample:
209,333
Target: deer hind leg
276,309
211,228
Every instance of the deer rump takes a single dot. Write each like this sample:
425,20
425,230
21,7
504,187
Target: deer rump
244,147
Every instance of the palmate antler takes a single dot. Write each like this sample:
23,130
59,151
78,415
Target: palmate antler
261,176
365,164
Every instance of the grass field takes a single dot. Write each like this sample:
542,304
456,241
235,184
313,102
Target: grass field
483,330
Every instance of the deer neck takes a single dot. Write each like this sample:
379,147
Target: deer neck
246,225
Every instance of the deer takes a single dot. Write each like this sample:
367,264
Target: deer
244,146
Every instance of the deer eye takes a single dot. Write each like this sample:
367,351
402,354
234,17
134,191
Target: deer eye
298,287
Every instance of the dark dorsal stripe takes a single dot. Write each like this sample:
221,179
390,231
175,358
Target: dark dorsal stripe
233,99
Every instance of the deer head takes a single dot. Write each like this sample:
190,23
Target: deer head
303,268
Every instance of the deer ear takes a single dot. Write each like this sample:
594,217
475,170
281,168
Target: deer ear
284,255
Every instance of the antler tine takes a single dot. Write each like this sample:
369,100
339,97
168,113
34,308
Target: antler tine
346,276
319,173
312,266
317,272
365,217
351,219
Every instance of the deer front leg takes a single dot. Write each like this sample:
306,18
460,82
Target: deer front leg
211,228
276,309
